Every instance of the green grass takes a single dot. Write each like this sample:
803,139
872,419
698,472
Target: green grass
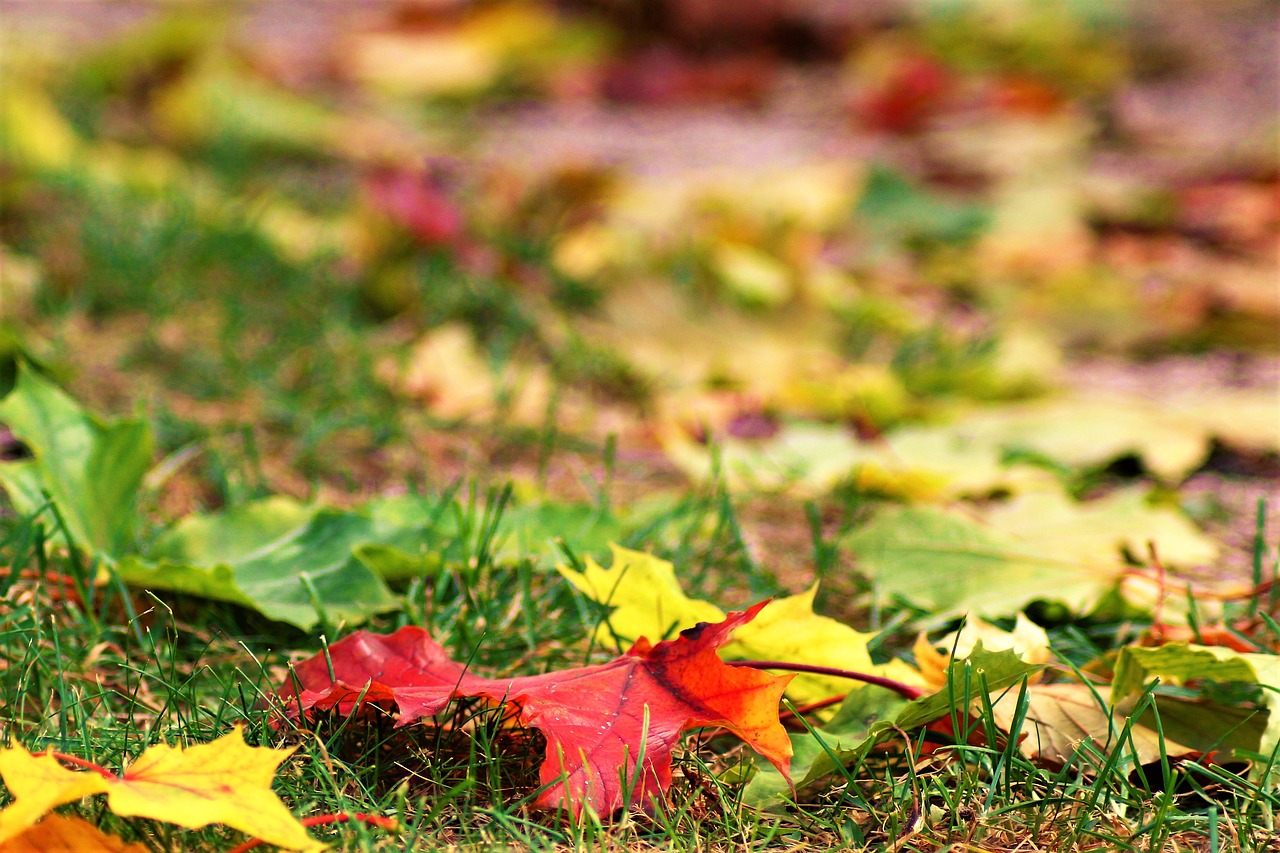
260,376
105,675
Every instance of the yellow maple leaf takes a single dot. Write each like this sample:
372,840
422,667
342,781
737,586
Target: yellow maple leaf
64,834
789,630
646,598
225,782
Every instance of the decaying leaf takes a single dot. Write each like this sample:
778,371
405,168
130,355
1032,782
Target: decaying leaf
1061,718
598,720
225,782
1179,663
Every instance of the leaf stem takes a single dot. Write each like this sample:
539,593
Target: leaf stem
324,820
908,691
86,764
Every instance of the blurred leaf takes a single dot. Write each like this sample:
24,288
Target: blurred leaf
63,834
91,469
895,208
805,458
33,134
1092,432
1036,546
216,101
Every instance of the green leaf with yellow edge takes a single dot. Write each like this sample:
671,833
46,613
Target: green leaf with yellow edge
1040,545
646,598
802,457
1091,432
225,782
1179,663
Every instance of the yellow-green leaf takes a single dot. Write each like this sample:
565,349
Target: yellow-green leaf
789,630
646,598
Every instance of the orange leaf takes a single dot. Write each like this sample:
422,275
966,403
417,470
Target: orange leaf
62,834
225,782
597,719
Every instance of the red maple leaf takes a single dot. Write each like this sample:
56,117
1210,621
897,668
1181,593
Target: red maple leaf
596,719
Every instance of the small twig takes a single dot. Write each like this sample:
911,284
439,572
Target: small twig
907,691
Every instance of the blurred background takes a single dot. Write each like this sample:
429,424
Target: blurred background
348,245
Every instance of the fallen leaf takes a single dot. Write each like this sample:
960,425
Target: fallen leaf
867,717
1036,546
789,630
895,209
597,720
421,202
1060,719
752,275
1179,663
938,463
64,834
1244,420
644,597
427,63
226,782
290,562
218,100
647,600
1027,640
903,90
1091,432
1104,530
801,457
92,469
33,133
